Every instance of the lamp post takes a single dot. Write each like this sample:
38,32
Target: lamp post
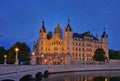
33,53
16,58
33,59
5,56
62,60
42,59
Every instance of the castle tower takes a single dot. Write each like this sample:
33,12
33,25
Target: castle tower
42,40
68,38
104,40
68,31
58,31
43,32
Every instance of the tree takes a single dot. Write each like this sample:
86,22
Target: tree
113,54
2,53
23,53
99,55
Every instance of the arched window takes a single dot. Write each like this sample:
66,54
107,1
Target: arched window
55,48
76,54
76,48
73,54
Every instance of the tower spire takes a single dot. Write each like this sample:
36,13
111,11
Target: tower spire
104,33
43,27
104,29
69,21
43,23
68,28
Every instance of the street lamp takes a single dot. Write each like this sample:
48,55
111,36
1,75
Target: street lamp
42,59
5,56
62,60
42,56
16,58
33,59
33,53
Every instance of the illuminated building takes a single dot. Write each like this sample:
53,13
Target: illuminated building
70,48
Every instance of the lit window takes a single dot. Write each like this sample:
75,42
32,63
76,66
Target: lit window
76,43
83,55
52,43
48,49
41,48
73,54
76,54
56,42
62,48
59,43
76,48
55,48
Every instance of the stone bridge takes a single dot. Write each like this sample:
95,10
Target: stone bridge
16,72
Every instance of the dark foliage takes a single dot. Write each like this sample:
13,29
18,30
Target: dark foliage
2,53
99,55
114,54
23,53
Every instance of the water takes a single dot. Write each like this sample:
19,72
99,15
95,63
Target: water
85,76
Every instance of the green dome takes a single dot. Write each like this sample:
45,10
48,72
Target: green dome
58,27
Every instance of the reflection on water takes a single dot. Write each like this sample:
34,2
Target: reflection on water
85,76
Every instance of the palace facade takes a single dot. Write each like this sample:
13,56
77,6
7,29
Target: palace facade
68,49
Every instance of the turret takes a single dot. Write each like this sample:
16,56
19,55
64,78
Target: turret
43,32
104,40
68,31
58,31
104,37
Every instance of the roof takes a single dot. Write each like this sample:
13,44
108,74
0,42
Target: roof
43,27
58,27
82,35
68,28
104,34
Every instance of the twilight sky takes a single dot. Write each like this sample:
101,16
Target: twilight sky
20,20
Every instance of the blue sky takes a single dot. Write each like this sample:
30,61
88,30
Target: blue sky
20,20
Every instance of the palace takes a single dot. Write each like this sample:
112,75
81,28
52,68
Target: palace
68,49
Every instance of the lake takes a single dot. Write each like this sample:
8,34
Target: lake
85,76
